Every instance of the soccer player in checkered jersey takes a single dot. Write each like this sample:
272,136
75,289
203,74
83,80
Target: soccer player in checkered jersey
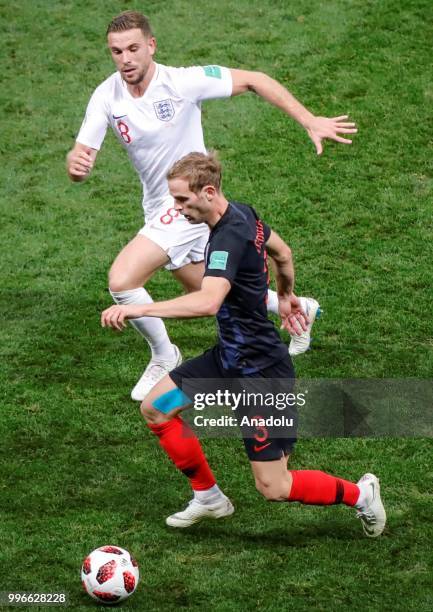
155,112
249,348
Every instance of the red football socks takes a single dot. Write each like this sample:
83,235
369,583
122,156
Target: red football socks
184,449
318,488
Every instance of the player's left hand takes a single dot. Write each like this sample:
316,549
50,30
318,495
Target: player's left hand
320,128
293,318
115,316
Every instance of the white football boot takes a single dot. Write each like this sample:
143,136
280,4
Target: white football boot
196,511
300,344
371,512
155,371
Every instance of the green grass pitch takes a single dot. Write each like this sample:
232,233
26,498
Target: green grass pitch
78,467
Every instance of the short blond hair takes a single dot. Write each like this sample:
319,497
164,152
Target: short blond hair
128,20
199,169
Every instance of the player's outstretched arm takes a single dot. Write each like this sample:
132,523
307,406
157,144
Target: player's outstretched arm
290,310
80,161
203,303
318,128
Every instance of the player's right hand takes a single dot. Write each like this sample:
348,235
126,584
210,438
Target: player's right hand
116,315
79,164
293,318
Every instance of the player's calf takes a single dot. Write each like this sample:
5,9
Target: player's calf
273,490
271,477
160,409
165,355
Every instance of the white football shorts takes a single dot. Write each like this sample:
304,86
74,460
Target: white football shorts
183,242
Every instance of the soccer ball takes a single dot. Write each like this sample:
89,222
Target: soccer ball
109,574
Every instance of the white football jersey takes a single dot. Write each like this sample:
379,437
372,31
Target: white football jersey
160,127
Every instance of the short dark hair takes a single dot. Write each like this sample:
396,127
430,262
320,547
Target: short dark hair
128,20
199,170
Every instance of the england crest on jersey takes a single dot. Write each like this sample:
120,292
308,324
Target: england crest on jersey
164,109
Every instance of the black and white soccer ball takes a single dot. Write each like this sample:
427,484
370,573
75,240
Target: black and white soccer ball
109,574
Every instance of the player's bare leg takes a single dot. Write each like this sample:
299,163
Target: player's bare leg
161,410
313,487
272,478
133,267
136,263
190,276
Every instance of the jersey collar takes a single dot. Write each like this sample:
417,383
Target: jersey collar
149,87
225,218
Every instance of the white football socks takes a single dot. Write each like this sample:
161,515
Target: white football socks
272,304
151,328
209,496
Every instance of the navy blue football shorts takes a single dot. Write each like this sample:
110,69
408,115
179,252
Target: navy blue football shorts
269,428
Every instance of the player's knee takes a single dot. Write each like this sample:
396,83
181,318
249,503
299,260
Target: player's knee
150,414
115,286
118,281
272,490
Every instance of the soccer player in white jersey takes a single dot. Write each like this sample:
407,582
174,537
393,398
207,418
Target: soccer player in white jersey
155,112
